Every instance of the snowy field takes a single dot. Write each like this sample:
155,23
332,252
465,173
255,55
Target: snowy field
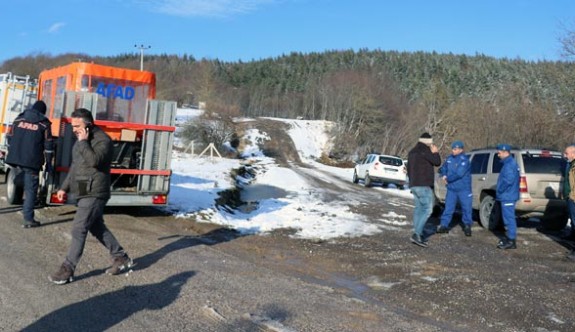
197,181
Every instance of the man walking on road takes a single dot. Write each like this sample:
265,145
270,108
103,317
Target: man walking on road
89,180
456,173
30,144
507,194
420,169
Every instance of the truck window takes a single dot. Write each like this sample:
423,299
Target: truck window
125,99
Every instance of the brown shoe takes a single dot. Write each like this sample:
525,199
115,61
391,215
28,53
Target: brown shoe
120,264
63,276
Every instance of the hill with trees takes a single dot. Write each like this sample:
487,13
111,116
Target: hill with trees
381,101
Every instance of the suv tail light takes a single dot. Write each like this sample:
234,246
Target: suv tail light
523,184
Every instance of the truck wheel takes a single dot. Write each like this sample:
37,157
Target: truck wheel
367,181
14,187
554,222
355,178
485,211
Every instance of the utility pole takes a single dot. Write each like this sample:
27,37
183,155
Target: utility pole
142,48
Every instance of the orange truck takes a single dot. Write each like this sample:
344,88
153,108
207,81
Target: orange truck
123,104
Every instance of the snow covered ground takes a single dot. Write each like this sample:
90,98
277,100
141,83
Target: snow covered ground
197,181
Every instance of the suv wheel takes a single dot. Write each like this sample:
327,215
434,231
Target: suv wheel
485,212
355,178
367,181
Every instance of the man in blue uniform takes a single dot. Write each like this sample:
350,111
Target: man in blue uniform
507,194
456,173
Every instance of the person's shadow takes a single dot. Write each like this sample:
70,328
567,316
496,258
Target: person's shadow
104,311
182,242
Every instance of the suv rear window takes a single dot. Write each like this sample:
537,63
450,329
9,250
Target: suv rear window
539,164
390,161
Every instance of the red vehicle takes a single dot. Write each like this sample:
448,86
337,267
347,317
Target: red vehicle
123,104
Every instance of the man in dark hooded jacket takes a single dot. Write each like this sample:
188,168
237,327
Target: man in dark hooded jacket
421,161
30,144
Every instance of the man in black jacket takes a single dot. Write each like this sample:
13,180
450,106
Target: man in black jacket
89,180
30,143
420,162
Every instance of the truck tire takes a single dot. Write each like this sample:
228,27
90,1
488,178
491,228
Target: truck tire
14,187
485,211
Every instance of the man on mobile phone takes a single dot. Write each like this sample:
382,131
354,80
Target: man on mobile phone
89,180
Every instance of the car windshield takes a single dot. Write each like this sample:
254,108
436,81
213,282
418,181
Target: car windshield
540,164
390,161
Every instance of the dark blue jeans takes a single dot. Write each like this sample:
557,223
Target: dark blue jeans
31,182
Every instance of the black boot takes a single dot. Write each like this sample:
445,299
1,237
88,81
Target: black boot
507,244
442,230
467,230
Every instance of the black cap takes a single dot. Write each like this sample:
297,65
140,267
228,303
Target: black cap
425,135
40,106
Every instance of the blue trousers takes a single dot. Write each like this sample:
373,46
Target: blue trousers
452,197
423,197
508,215
31,183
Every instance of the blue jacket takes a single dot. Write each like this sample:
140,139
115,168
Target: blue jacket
30,137
457,169
508,181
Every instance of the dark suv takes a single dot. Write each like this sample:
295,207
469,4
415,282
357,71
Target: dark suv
540,185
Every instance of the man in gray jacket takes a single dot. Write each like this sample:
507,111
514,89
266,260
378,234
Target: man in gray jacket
89,180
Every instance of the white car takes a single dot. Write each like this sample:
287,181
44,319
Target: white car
381,168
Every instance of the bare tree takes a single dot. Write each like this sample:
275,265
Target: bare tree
567,40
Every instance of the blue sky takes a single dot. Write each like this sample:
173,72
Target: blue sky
246,30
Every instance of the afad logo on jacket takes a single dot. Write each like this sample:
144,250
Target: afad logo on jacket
28,126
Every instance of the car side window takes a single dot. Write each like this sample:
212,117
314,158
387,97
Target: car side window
479,163
497,164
